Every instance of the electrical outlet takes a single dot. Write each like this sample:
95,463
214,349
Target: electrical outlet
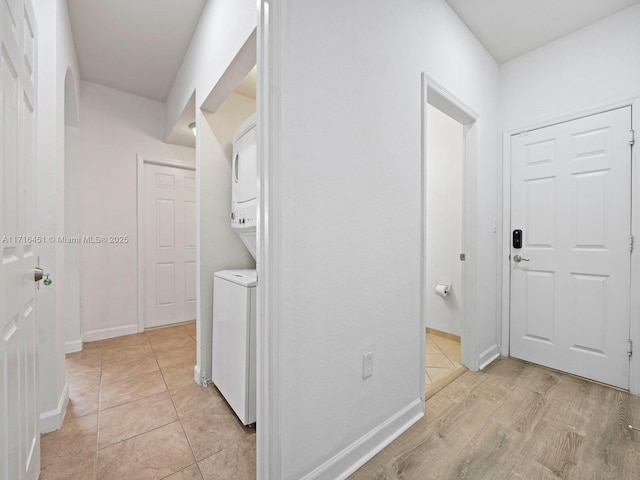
367,365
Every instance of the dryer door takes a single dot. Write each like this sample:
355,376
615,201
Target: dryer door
244,173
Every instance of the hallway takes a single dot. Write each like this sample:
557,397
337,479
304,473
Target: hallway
135,412
515,420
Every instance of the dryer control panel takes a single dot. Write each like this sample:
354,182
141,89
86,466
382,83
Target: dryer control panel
243,217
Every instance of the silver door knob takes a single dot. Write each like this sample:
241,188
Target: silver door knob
38,273
518,259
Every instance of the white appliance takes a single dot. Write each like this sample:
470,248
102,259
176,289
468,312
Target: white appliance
233,366
244,184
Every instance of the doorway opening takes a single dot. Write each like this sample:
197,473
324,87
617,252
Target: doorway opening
444,239
166,202
448,246
166,242
570,225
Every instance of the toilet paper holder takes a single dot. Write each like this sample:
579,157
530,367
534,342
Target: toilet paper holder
443,289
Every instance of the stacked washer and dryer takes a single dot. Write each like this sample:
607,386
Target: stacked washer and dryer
233,368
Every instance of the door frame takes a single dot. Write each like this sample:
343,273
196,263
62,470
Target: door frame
438,96
634,311
141,160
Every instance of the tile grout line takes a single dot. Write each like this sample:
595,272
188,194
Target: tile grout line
100,400
184,431
95,464
137,435
447,370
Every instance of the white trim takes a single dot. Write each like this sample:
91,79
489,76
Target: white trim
567,117
201,340
505,252
447,102
634,311
346,462
52,420
73,346
140,161
104,333
423,237
269,446
168,162
634,319
437,95
197,375
140,240
488,356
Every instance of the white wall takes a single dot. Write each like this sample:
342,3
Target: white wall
445,156
345,208
224,28
116,126
593,67
73,337
221,248
56,56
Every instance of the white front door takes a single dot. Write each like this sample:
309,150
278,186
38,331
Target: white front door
571,197
19,435
169,245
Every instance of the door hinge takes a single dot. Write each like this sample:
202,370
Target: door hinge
631,241
632,137
630,347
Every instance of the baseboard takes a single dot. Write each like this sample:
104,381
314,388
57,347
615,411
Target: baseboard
488,356
73,347
442,333
50,421
112,332
197,375
362,450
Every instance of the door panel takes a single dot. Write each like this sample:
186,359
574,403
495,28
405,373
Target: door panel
190,233
190,281
590,310
540,209
165,284
165,223
571,197
540,319
170,241
10,87
19,435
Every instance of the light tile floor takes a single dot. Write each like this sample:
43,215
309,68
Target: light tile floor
135,413
442,360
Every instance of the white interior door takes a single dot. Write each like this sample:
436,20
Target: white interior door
19,436
571,197
169,245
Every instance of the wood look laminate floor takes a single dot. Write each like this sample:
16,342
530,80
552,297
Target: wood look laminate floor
517,421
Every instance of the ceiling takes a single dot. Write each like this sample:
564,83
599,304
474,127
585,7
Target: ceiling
134,46
509,28
138,46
